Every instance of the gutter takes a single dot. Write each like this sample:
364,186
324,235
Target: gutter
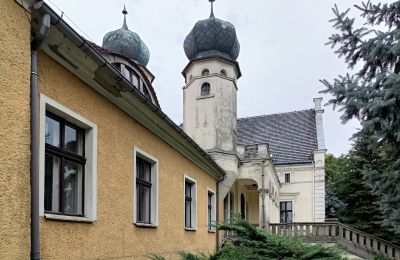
37,39
125,85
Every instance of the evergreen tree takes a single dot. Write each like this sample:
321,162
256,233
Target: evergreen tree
334,169
361,209
372,93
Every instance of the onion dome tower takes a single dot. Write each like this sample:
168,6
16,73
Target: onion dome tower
127,43
212,37
210,94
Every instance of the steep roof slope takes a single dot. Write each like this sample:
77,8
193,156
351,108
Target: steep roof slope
291,136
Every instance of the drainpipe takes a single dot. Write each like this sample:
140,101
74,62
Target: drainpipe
263,194
217,211
38,38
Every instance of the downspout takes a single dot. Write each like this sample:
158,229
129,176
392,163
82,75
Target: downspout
217,212
37,40
263,195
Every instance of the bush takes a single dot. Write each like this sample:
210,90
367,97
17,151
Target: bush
254,243
251,243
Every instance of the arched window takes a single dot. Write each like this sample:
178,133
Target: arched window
223,73
205,72
242,206
205,89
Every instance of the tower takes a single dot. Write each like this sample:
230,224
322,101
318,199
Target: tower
210,93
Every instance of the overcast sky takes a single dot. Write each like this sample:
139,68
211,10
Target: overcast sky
282,55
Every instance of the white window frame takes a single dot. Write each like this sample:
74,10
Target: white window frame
194,204
90,194
213,210
137,152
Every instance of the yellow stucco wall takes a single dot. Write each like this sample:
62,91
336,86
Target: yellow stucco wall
114,234
14,132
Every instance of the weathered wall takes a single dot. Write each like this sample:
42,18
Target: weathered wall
114,235
299,190
14,132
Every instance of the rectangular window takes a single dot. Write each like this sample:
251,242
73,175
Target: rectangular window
143,191
64,167
67,164
211,216
286,212
146,191
190,203
287,177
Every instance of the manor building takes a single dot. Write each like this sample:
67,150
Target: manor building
92,168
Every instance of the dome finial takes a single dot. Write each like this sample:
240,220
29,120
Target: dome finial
124,12
212,8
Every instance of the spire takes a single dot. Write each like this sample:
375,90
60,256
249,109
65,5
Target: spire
212,8
124,12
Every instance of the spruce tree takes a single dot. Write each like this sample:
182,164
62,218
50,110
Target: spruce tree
370,92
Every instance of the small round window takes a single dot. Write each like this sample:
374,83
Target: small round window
205,89
223,73
205,72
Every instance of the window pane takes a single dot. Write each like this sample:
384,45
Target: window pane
52,132
283,220
143,203
72,189
188,222
51,183
289,217
188,189
282,206
146,92
73,140
143,170
289,205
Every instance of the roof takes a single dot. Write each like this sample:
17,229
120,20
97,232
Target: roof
292,136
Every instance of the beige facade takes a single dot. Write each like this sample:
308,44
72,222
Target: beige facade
110,232
113,235
14,132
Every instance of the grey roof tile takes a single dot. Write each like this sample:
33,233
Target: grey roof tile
292,136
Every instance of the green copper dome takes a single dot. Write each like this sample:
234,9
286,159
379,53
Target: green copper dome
212,37
127,43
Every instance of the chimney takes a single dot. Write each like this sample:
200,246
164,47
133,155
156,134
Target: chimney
318,122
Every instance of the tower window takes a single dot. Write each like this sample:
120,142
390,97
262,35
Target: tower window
205,89
205,72
223,73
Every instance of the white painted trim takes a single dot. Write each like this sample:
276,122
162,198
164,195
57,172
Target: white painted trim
194,216
213,212
90,196
137,152
67,218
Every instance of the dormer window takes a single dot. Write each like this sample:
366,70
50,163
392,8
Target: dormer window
205,89
146,92
129,73
205,72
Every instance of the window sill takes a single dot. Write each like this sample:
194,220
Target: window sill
144,225
190,229
203,97
68,218
212,231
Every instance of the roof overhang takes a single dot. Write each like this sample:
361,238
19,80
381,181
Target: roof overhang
78,56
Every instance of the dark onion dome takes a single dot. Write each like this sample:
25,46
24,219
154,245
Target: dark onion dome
127,43
212,37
